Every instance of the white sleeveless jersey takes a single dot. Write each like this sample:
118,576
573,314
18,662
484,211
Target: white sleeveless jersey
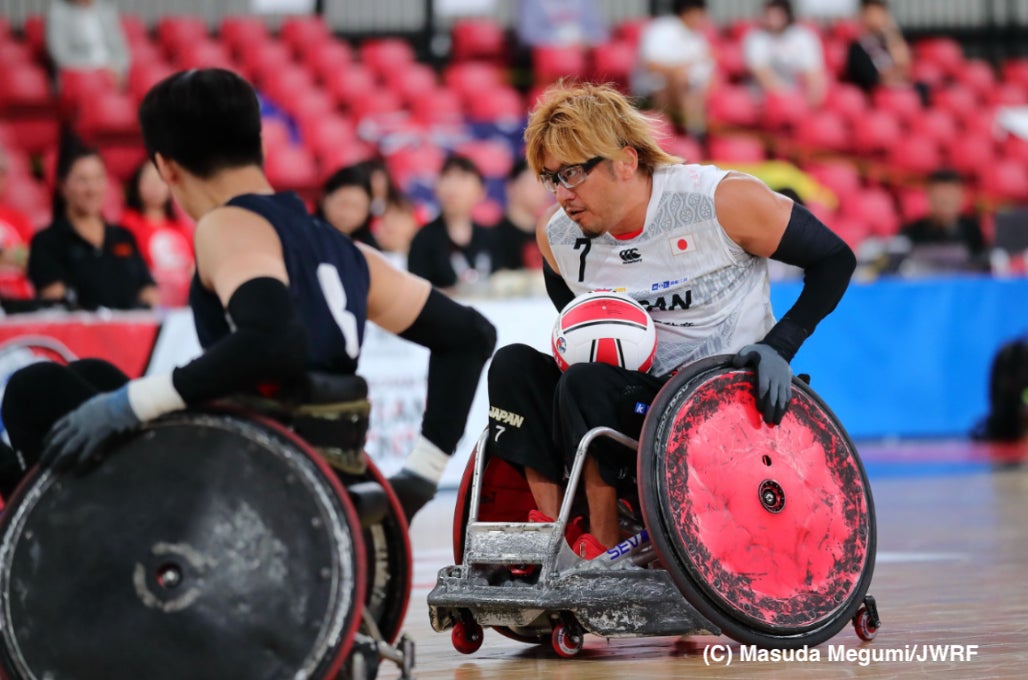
706,294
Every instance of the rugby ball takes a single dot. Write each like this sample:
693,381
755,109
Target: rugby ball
607,327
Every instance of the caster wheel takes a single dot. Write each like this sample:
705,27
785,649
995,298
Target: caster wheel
862,624
466,637
567,643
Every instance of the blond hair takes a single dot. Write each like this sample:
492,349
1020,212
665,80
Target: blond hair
575,122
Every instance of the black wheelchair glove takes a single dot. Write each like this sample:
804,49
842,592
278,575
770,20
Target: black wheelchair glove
774,379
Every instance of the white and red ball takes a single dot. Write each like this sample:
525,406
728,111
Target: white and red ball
607,327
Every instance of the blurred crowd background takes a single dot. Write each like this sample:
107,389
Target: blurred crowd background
903,125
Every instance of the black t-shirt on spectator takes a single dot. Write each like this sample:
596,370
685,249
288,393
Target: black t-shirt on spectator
110,276
865,60
514,248
433,256
966,231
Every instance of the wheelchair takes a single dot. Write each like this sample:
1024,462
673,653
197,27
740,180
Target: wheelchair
764,534
213,543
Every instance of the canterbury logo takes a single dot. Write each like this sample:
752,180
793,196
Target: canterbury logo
499,415
630,255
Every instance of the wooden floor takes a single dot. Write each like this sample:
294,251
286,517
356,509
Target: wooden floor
952,571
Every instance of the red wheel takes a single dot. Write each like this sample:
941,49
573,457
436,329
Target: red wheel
862,624
566,643
466,637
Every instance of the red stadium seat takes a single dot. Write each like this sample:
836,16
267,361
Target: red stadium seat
1015,148
204,54
852,230
334,157
783,110
844,31
847,100
731,63
874,132
320,134
386,54
134,29
34,30
686,148
737,29
1015,71
299,32
824,131
469,78
913,204
143,76
308,106
75,86
938,125
902,102
275,135
915,153
327,58
379,102
957,99
875,207
1008,94
293,168
410,163
970,155
840,176
977,75
1006,180
736,149
413,82
15,53
121,160
836,54
944,52
497,105
28,107
107,118
613,62
631,30
350,83
260,60
478,39
493,158
733,105
287,83
929,73
438,107
553,62
237,32
173,32
5,29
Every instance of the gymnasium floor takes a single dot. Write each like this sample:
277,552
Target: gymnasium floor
952,572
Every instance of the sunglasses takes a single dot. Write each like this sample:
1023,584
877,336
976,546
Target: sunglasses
569,176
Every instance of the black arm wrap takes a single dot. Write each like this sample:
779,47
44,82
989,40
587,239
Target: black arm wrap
556,287
461,340
827,263
269,345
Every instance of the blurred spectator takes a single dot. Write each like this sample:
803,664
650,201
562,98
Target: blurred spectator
15,231
879,55
560,22
80,258
345,203
945,238
782,55
396,229
452,249
514,244
165,241
675,65
86,35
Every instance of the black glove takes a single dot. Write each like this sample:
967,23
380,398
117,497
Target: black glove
774,379
74,438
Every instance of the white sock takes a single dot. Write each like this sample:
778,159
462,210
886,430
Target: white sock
426,460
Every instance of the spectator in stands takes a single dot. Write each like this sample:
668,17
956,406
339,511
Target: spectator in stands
946,225
86,35
782,55
514,245
452,249
165,240
560,22
79,258
345,203
15,229
675,65
879,55
397,226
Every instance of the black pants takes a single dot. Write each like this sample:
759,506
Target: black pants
538,415
35,398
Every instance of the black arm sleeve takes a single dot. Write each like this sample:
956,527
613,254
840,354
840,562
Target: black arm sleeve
268,345
827,263
556,287
461,340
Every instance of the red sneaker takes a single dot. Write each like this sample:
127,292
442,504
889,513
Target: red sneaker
588,547
536,516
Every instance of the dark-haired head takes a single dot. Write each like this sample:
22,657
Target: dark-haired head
784,6
519,168
71,151
680,7
356,176
134,195
206,120
458,163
